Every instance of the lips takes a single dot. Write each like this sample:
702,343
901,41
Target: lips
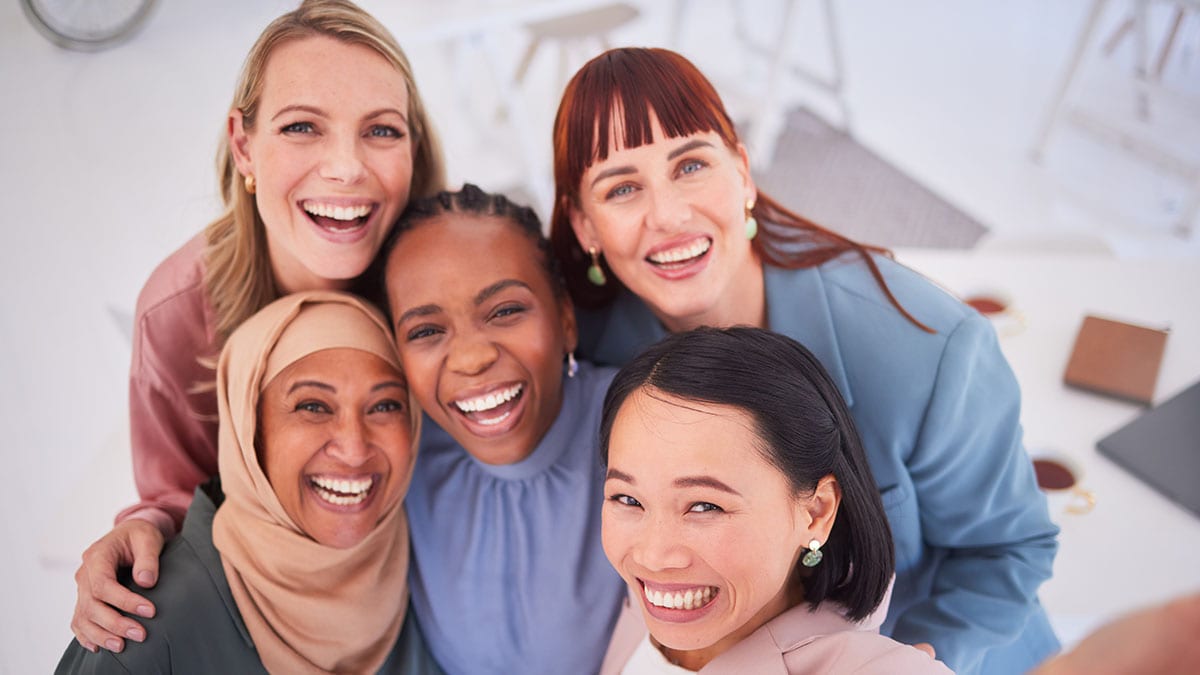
681,258
343,493
339,221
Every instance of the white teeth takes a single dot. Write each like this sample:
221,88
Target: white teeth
695,249
342,492
490,401
694,598
337,212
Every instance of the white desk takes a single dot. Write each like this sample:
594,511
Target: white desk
1136,547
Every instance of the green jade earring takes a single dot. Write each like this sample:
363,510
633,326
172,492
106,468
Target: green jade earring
813,557
751,221
595,273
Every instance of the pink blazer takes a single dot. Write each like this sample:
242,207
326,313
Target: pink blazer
797,641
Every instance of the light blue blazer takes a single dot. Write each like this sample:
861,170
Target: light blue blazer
939,415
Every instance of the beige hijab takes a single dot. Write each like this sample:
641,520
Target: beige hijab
309,608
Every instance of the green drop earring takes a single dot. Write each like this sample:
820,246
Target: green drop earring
813,557
595,273
751,221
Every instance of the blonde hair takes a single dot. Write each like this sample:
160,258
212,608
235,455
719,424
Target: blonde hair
238,276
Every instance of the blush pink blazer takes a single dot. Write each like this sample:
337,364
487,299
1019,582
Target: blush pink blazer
797,641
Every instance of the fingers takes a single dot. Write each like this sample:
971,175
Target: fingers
96,621
927,648
146,544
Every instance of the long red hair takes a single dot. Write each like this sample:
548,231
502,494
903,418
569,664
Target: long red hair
632,82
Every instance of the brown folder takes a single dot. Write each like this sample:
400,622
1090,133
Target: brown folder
1116,358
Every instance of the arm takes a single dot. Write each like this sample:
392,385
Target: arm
978,502
174,449
1157,641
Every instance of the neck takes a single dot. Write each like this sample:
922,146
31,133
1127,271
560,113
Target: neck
744,304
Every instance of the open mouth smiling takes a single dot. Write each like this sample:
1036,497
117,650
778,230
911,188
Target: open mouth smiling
686,599
680,256
336,218
491,408
342,491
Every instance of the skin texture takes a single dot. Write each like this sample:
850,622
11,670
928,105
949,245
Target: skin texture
1161,640
331,128
346,145
336,414
671,195
475,314
690,503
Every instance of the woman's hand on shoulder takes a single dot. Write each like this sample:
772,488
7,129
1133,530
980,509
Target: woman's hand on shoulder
96,622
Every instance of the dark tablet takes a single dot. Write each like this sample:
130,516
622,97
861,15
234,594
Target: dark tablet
1162,447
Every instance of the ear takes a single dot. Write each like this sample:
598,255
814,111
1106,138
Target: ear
570,328
820,508
749,189
239,142
585,230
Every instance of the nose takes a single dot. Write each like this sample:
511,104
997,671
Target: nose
350,443
669,208
659,545
471,354
343,159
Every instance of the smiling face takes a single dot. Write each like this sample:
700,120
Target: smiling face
481,332
703,529
670,218
336,442
331,155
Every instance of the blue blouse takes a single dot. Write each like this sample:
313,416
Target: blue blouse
508,575
939,417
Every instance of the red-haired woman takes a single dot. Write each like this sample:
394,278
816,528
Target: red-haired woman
660,229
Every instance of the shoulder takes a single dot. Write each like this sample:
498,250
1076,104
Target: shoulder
861,652
852,287
173,316
178,274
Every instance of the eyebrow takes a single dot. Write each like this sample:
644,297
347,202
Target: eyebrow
684,482
311,383
480,298
495,288
625,170
332,389
313,110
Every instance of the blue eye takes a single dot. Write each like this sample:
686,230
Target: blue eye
383,131
691,166
621,190
298,128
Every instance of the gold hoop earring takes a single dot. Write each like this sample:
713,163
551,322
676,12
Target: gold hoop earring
595,273
250,186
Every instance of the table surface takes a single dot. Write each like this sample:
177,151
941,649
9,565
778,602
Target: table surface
1135,547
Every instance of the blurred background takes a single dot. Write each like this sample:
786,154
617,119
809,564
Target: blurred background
939,127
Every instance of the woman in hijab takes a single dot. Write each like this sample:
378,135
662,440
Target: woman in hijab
300,565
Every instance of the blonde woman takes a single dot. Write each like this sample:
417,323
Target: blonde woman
325,142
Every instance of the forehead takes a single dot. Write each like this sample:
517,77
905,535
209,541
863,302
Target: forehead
330,366
459,246
331,71
653,428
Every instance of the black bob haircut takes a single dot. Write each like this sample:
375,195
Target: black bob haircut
804,430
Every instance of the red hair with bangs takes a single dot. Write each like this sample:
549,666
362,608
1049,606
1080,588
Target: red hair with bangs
629,83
